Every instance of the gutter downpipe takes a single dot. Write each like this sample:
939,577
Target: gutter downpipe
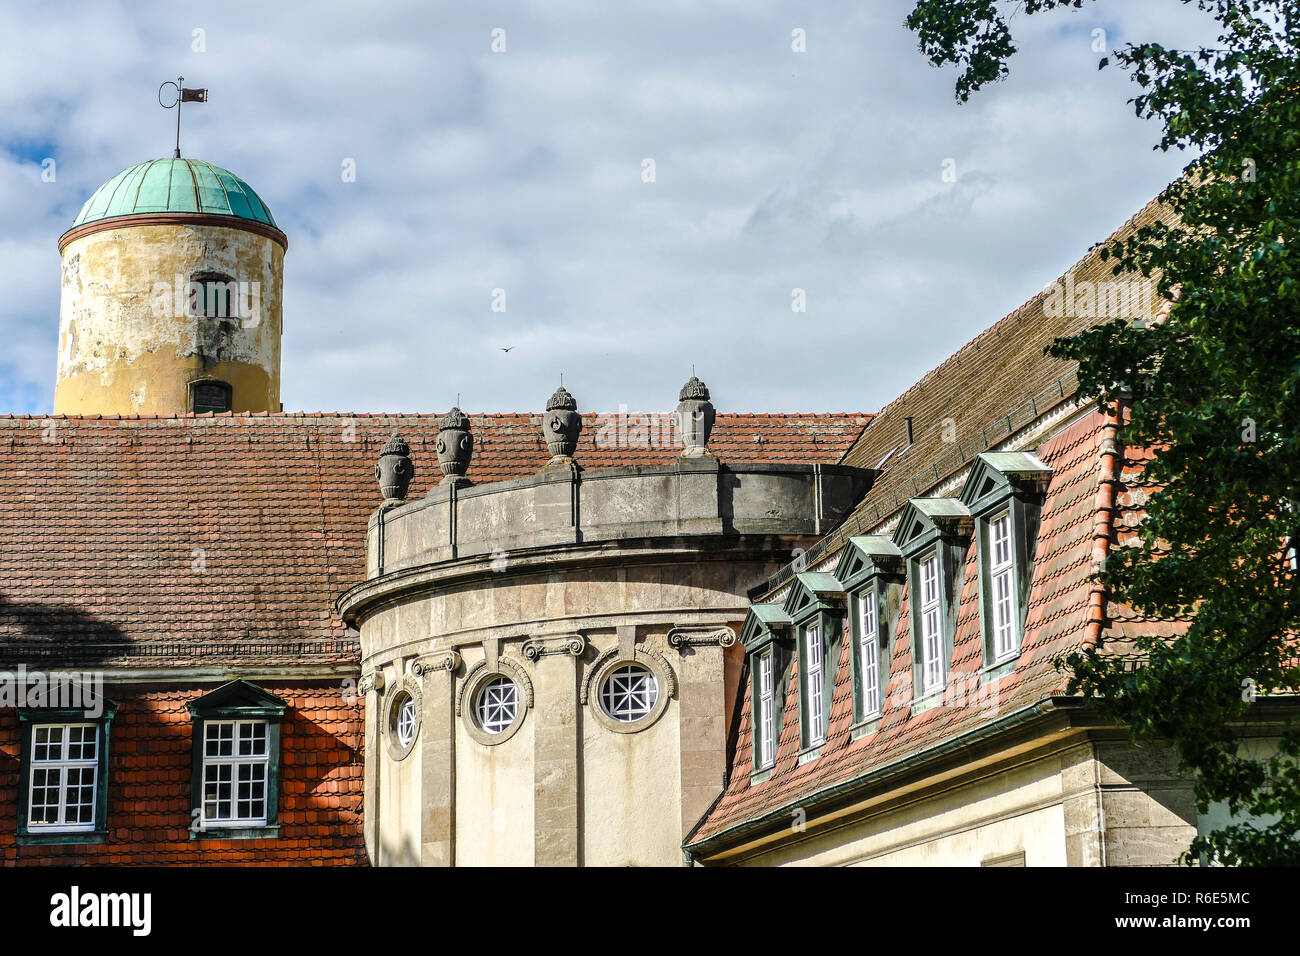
1108,482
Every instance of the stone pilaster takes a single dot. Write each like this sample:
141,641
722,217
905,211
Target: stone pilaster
369,688
1125,805
557,750
438,759
703,723
1149,810
1081,805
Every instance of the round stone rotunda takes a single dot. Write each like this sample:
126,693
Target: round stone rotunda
548,662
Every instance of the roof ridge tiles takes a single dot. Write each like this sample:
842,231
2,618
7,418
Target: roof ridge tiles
238,416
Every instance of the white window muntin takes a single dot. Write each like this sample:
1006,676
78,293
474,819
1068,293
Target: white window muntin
407,719
64,778
1002,585
766,711
497,705
236,763
869,653
815,681
931,625
629,693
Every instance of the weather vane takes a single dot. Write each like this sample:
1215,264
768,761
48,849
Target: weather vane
182,96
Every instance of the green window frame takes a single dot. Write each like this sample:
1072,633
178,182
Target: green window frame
872,571
816,606
235,762
211,395
33,723
814,699
870,654
766,633
1013,484
938,528
766,716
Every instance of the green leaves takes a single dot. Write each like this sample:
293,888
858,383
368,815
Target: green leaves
1213,391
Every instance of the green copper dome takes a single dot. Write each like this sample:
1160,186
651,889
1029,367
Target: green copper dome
175,186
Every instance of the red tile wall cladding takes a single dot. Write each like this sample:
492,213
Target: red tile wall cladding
321,788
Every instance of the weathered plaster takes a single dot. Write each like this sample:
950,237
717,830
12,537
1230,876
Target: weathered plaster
125,349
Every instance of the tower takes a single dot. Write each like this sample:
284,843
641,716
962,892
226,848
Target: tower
171,296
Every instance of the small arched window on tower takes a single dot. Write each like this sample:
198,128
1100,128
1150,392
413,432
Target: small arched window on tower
210,395
213,295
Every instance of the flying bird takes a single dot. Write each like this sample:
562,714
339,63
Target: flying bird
507,350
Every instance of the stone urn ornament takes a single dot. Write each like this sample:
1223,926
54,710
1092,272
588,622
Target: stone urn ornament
395,470
561,425
695,416
455,446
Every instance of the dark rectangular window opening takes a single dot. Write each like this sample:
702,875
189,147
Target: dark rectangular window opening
211,397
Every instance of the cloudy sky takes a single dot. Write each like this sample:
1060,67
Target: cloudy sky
525,171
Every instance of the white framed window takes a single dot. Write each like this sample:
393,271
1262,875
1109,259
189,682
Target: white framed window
766,711
869,653
629,693
236,756
931,625
64,774
815,683
497,705
407,720
1002,586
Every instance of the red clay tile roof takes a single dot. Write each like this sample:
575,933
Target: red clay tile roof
1057,613
227,538
1123,624
997,384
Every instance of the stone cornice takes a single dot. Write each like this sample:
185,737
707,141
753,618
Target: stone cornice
395,587
174,219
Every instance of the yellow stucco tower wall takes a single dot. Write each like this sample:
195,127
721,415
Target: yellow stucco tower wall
172,278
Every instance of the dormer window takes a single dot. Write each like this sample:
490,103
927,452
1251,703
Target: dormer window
933,535
816,607
765,712
1001,579
932,662
1005,493
814,654
868,650
871,571
766,636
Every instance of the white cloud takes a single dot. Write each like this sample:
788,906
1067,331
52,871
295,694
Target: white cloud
522,171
